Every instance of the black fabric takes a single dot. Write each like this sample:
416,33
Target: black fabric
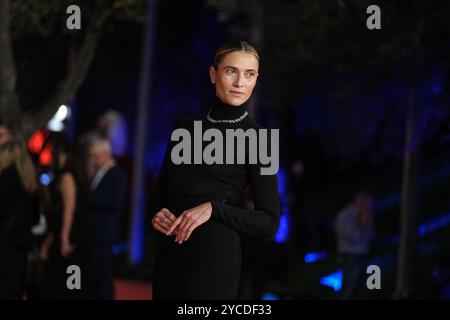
208,265
18,211
55,275
106,203
12,272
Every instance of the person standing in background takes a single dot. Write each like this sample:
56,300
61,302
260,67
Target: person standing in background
107,195
354,232
18,212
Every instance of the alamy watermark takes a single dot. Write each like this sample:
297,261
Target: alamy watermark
73,22
374,20
74,280
258,147
374,280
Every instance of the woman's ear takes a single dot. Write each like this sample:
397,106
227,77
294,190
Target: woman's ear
212,74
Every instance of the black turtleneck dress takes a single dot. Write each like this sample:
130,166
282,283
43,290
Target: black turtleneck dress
208,264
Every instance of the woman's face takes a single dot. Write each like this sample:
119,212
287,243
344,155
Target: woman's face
235,77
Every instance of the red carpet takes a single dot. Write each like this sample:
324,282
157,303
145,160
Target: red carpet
131,290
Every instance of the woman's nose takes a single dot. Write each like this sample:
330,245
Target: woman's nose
238,83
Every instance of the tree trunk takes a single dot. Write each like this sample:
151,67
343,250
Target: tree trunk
407,251
9,102
69,86
142,118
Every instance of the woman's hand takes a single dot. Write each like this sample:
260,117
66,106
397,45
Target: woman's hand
163,220
43,252
66,247
45,246
189,220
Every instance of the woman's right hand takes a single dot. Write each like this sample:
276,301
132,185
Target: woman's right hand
162,221
43,253
45,247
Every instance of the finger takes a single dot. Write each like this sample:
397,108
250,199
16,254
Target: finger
185,230
185,220
158,222
165,226
174,225
156,217
194,225
160,229
190,229
168,214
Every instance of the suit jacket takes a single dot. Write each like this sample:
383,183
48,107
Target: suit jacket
106,202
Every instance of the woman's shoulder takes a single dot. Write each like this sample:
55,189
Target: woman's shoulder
252,124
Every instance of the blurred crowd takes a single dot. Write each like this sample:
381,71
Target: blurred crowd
69,219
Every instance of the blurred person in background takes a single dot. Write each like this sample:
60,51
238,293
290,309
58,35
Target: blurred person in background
18,213
107,195
354,232
64,244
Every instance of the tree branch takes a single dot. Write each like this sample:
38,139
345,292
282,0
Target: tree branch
70,85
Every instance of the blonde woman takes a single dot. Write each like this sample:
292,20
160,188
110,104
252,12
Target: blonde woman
198,216
17,214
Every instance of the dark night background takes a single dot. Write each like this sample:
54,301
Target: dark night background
339,93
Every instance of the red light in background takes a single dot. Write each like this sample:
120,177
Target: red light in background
37,140
45,158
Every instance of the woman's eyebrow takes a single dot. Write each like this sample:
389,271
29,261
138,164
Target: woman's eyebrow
231,67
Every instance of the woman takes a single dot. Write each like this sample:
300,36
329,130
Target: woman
63,245
18,210
198,250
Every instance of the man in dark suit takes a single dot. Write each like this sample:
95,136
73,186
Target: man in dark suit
107,190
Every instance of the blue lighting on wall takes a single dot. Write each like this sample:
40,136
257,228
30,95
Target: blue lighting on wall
333,280
282,233
283,230
270,296
434,224
315,256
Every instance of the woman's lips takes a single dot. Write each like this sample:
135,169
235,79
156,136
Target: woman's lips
237,94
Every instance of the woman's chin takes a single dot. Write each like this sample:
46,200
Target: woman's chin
235,101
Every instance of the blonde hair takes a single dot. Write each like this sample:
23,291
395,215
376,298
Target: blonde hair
231,46
14,152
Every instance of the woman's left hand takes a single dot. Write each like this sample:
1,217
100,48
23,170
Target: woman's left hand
189,220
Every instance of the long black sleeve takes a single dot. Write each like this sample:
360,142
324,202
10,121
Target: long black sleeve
156,199
264,220
191,181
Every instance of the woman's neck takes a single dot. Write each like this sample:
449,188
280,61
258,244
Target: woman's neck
223,111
